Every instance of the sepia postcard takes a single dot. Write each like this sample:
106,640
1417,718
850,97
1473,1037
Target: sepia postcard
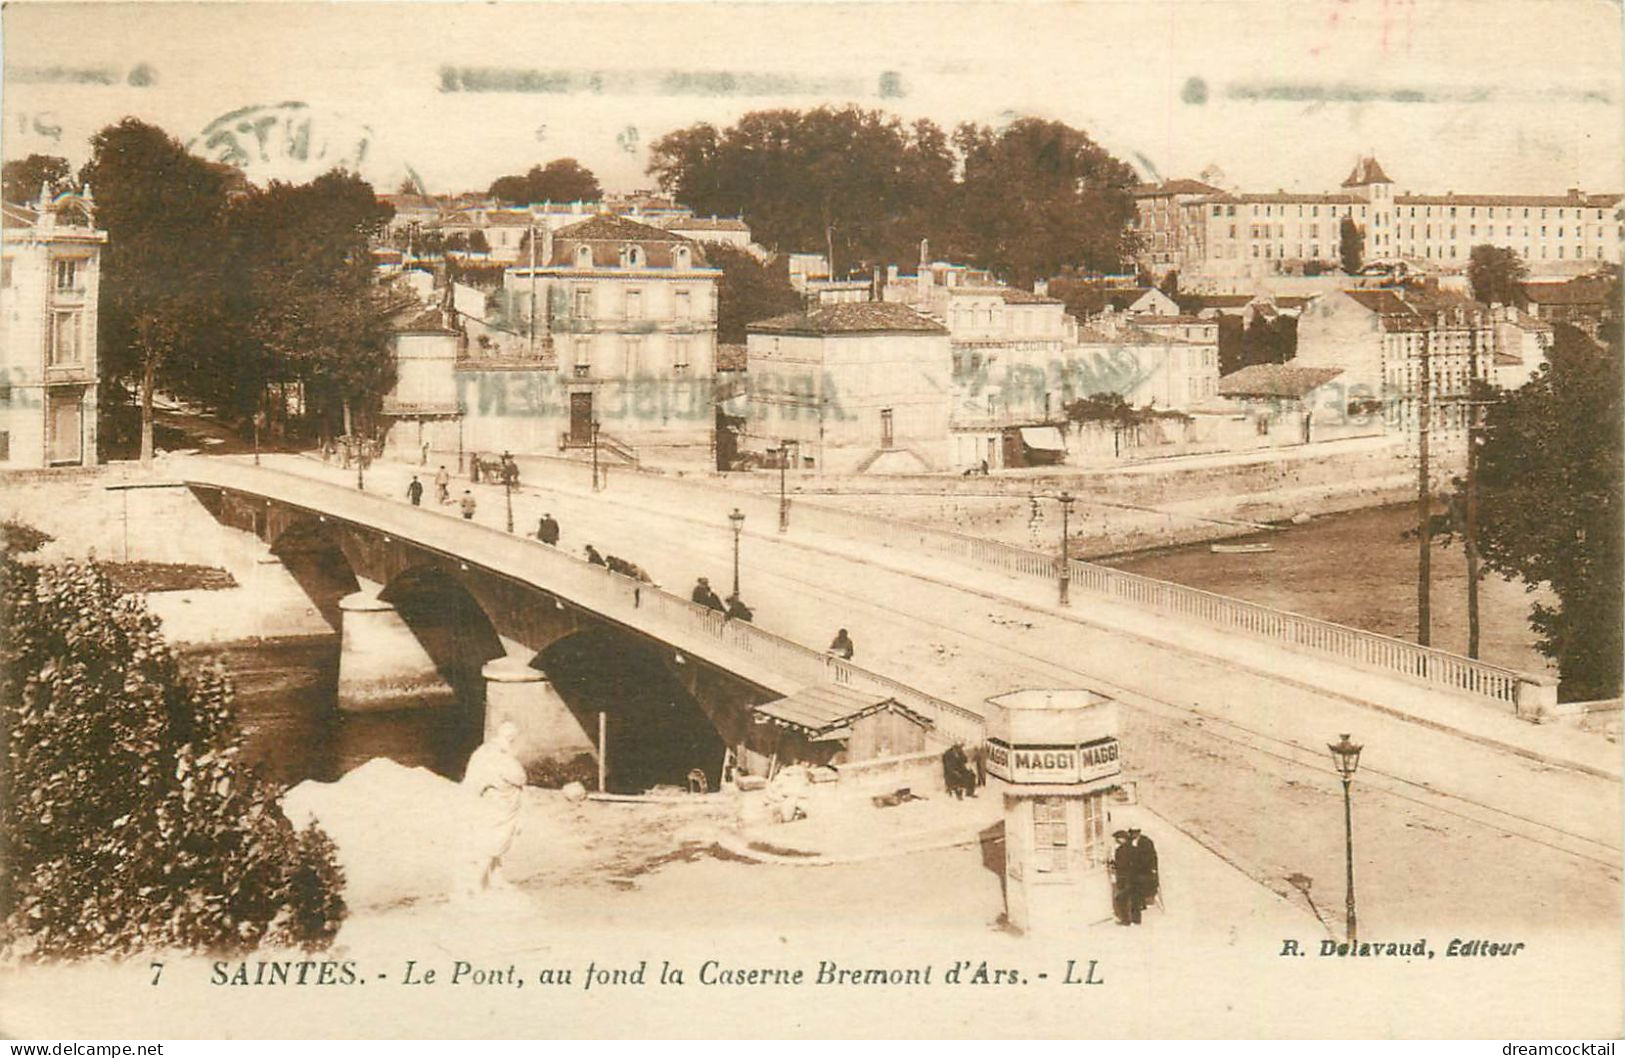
930,519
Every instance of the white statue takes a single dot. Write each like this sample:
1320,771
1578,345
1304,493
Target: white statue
496,781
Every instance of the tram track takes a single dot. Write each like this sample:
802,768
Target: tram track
1214,726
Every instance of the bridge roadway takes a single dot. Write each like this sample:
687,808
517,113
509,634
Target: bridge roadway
1453,830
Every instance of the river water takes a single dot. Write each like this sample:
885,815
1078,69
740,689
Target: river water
1358,569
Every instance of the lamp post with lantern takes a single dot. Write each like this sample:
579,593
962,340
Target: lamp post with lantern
1346,755
784,498
737,519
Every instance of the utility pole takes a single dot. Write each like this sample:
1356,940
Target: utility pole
532,349
1471,542
1424,536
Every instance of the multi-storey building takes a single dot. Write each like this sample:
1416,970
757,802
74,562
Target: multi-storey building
851,388
1382,340
50,275
1240,234
613,337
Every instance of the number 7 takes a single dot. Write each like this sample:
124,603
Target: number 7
157,971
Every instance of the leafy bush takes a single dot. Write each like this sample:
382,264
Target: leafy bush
21,537
554,775
128,819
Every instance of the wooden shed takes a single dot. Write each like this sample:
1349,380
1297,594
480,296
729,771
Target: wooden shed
826,724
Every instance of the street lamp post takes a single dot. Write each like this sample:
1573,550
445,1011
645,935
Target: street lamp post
595,485
1067,499
737,518
1346,755
360,464
507,490
784,498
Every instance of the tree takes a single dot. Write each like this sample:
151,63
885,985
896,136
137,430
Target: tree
129,819
307,294
161,287
1496,274
1038,197
1350,245
1549,477
1268,340
21,180
858,184
748,291
561,180
1170,283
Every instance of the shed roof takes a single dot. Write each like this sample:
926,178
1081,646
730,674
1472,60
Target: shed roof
1276,380
823,708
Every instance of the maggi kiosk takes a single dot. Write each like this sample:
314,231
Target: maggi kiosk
1057,754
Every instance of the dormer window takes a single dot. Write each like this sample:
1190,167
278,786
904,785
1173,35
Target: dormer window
632,256
583,256
680,257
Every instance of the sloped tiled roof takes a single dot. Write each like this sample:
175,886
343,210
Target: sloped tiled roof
1176,187
1597,201
859,317
1573,292
607,227
1276,380
1383,302
1017,296
1367,171
707,224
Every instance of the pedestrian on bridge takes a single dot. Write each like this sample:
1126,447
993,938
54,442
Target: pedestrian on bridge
442,485
547,530
414,491
842,647
704,596
737,610
593,556
468,504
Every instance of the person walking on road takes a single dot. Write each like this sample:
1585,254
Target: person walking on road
704,596
468,504
842,647
547,530
442,485
414,491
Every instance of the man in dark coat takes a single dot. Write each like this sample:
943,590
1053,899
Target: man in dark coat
737,610
1135,875
704,596
414,491
841,646
593,556
548,530
956,774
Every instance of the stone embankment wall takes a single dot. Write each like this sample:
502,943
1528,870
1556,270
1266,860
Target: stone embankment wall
1142,507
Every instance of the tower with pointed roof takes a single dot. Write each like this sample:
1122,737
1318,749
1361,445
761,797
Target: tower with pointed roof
1369,182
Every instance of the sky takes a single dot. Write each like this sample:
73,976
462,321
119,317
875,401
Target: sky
1481,95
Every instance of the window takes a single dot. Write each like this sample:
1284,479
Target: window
1218,211
633,256
634,304
682,307
1050,839
679,355
679,257
64,338
583,357
583,303
633,348
67,273
583,256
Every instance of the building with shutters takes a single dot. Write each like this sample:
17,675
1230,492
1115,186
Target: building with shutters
50,277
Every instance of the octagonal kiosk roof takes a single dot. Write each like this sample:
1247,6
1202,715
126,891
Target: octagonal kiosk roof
1053,737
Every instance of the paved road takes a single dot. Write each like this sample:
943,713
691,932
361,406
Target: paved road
1451,834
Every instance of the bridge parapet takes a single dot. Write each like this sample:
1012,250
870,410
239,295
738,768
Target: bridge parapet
753,653
1525,694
